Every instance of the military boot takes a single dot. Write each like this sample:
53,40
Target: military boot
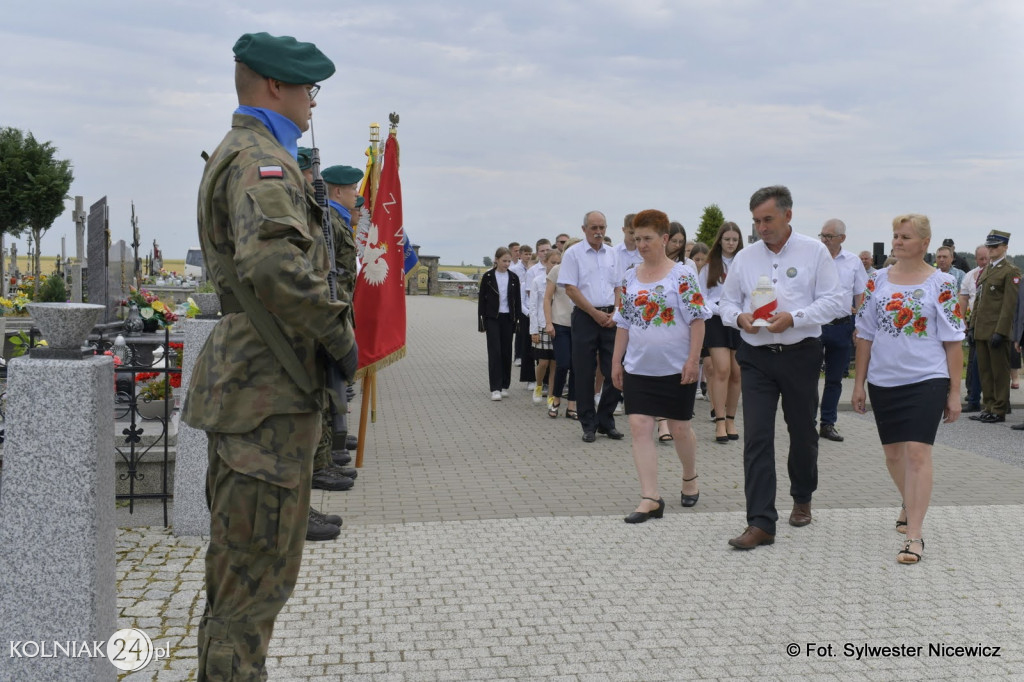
318,530
341,458
320,517
352,443
327,479
347,472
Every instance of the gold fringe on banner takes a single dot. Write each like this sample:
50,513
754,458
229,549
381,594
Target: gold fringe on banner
382,363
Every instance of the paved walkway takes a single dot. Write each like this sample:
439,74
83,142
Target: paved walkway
484,540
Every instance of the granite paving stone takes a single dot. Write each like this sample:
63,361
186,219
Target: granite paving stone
484,540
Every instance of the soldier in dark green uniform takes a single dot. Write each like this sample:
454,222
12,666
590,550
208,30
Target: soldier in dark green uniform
258,383
992,322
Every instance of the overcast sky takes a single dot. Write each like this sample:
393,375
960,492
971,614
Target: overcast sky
518,117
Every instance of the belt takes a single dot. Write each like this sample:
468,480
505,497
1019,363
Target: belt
840,320
605,309
782,347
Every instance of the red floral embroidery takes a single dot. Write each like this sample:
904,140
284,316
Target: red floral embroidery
696,299
667,315
920,324
650,310
905,315
898,295
684,287
641,300
945,296
957,312
871,285
893,305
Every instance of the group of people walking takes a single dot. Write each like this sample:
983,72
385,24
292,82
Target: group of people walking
771,317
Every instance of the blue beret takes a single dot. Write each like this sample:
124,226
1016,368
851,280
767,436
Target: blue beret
342,175
283,58
305,158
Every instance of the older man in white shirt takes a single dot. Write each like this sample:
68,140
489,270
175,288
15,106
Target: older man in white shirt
588,277
781,359
837,335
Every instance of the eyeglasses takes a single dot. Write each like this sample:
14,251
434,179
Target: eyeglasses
562,242
827,237
313,91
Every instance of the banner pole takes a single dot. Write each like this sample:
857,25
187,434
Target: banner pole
362,421
373,397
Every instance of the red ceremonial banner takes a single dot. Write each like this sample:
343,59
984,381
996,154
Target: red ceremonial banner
379,298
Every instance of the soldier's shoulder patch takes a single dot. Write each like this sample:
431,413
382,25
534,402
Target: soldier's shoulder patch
271,172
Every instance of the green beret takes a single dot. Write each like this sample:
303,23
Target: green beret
283,58
342,175
304,157
360,201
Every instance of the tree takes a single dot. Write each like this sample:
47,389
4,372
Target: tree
487,261
709,224
33,186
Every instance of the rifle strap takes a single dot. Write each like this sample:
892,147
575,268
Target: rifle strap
259,316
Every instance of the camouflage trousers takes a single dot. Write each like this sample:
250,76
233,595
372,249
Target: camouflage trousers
257,488
328,439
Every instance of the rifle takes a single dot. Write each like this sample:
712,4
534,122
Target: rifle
336,380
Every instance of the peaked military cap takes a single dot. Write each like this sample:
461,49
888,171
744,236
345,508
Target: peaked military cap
342,175
283,58
996,237
304,157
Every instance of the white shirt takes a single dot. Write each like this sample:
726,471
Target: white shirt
625,258
520,271
713,293
531,275
658,316
969,287
537,319
590,271
501,279
852,277
806,286
907,324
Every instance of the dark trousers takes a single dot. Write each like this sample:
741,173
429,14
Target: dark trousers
837,341
973,378
767,376
994,369
593,344
499,350
524,350
563,361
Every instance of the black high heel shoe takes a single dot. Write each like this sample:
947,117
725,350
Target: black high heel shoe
721,439
688,500
640,517
732,436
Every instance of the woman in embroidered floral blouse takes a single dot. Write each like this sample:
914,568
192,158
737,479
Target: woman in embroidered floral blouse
909,351
656,357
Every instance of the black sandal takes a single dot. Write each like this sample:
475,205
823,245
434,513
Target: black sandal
665,437
720,439
906,551
732,436
553,409
571,414
688,500
901,526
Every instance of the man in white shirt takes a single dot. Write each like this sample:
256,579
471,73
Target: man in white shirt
543,246
588,277
523,358
780,359
626,253
868,262
837,335
968,292
944,261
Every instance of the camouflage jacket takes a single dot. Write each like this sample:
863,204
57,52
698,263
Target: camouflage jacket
257,209
345,256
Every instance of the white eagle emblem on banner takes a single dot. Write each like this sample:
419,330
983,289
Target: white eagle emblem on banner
375,266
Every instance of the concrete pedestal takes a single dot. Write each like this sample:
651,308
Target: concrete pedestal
191,515
57,524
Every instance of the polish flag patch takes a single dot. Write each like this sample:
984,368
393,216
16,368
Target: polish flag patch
271,172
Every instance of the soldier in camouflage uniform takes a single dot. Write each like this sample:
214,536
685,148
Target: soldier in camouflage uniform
259,226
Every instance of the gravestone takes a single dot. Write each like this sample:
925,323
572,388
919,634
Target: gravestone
120,274
97,256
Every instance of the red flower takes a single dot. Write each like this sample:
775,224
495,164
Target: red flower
697,299
871,285
667,315
684,287
897,295
893,305
176,381
957,312
641,300
920,324
650,310
905,315
945,296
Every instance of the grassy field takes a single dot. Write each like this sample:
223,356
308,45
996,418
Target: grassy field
46,264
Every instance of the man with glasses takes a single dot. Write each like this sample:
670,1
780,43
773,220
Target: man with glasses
837,335
257,386
561,240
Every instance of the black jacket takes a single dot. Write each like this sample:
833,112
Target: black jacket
487,303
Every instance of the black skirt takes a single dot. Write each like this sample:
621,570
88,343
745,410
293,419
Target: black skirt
658,396
718,335
909,413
